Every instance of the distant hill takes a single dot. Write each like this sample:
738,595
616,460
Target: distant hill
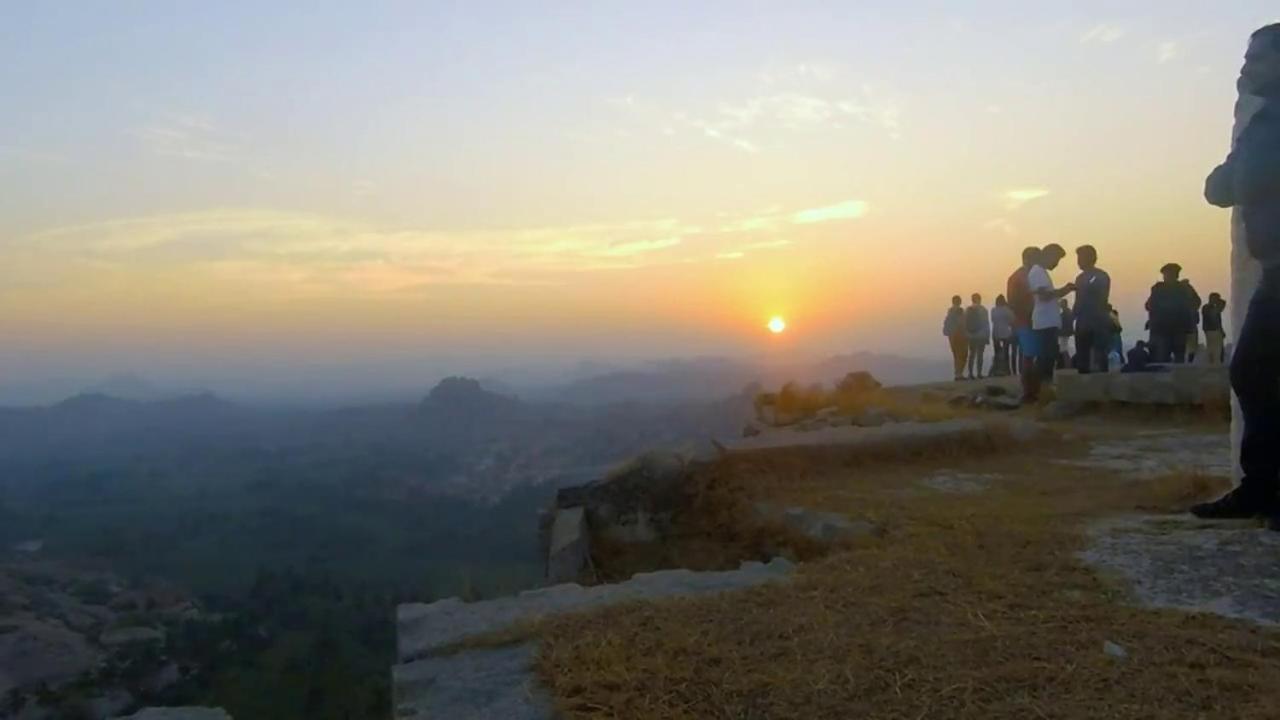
712,378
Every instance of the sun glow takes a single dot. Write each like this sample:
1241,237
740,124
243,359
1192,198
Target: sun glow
777,325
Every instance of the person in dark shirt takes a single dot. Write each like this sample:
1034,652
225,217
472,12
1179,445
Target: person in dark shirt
1170,309
1138,360
1249,180
1094,325
953,327
1215,338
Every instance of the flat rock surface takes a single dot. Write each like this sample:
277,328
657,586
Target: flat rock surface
1227,568
959,483
1157,453
846,435
179,713
472,685
426,628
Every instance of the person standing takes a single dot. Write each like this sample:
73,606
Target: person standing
1248,181
1093,313
953,327
1169,318
1001,338
977,322
1215,338
1046,318
1065,334
1192,300
1022,302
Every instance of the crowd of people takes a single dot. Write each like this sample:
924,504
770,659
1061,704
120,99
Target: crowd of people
1034,329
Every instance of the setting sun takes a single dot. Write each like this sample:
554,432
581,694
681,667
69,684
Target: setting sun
777,325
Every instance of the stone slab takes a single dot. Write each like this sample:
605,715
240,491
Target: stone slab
1226,568
472,685
424,628
570,546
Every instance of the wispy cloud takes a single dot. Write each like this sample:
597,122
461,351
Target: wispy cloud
1015,199
1103,34
186,136
849,210
806,97
308,254
1001,225
1167,51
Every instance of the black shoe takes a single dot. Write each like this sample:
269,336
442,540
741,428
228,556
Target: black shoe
1235,505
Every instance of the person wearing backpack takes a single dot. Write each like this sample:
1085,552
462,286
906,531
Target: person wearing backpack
977,322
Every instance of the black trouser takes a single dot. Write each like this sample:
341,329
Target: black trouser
1047,353
1168,347
1092,348
1255,376
1000,363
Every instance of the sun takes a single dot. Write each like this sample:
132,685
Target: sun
777,325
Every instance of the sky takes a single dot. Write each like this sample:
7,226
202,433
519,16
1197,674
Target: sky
199,189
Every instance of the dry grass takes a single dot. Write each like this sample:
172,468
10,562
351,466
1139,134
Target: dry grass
974,606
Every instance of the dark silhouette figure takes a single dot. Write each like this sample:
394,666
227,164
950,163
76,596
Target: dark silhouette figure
1250,180
953,327
1065,334
977,321
1138,359
1002,339
1215,337
1172,311
1094,324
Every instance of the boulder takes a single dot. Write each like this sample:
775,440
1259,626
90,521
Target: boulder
570,546
635,503
179,713
751,430
857,384
873,417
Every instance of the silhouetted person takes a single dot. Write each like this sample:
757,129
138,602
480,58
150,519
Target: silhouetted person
1170,315
1138,359
977,322
1215,337
1022,302
957,336
1094,324
1046,318
1193,316
1065,333
1250,180
1002,338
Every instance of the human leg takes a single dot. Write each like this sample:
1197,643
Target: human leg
1255,376
1047,359
1084,351
959,354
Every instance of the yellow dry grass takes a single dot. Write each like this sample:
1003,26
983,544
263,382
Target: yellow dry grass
973,606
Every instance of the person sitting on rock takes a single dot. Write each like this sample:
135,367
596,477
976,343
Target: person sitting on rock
1250,180
1138,360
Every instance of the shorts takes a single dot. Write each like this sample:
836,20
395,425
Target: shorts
1027,342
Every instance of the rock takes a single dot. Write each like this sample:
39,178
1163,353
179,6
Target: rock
131,636
858,383
423,629
472,685
1115,651
1024,431
996,391
958,483
1002,402
958,401
827,413
1063,410
873,417
570,547
751,430
179,713
825,526
635,503
108,705
32,651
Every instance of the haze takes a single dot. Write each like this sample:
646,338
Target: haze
307,192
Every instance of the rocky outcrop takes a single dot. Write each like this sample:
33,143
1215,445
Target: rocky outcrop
499,683
1187,385
179,713
634,504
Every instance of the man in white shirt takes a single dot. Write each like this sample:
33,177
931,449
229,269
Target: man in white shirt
1046,318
